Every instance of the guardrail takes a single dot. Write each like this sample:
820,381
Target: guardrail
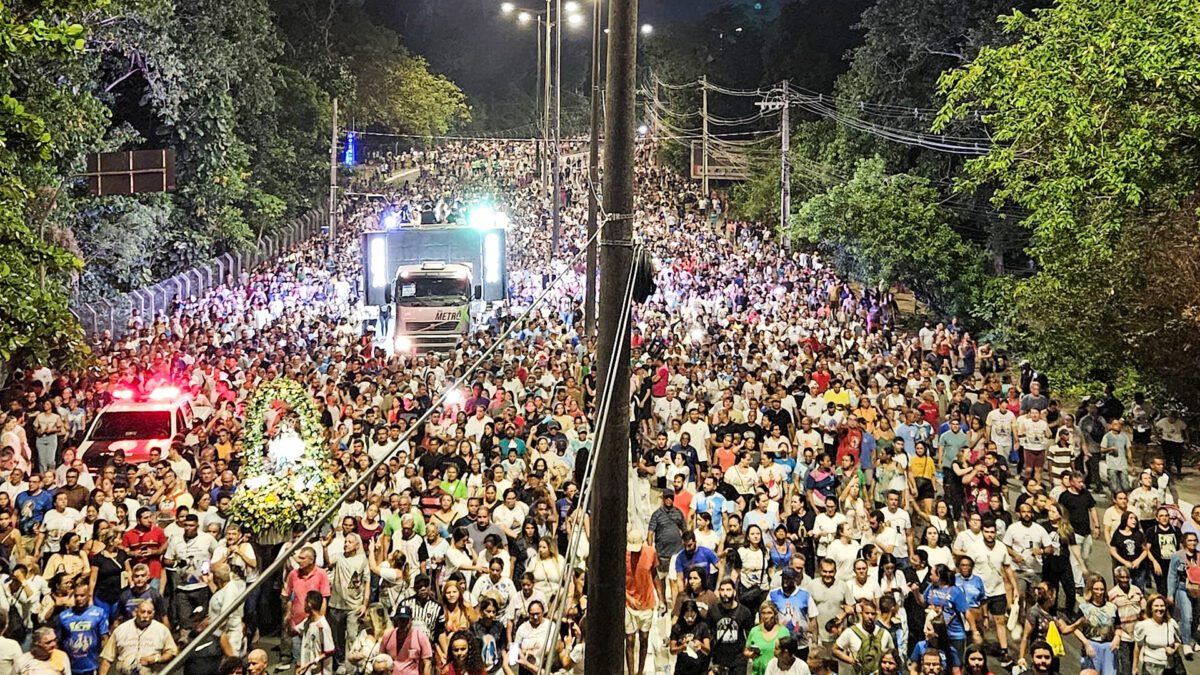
112,314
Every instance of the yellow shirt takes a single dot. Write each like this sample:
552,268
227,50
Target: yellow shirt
921,467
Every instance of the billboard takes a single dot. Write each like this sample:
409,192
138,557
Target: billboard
485,250
725,162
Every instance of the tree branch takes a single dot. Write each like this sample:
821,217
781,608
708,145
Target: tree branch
954,55
120,79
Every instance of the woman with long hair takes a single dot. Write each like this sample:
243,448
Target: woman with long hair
456,613
951,604
464,657
105,575
751,567
694,590
1098,629
975,661
936,637
691,641
1056,557
366,643
548,569
1156,641
395,582
69,558
1129,549
934,543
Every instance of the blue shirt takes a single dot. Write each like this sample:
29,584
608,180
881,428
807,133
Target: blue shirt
911,433
867,451
714,505
82,633
923,647
972,588
31,508
953,603
703,560
793,610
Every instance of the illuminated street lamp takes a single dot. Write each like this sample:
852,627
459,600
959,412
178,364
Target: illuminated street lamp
507,7
571,7
647,29
575,20
524,17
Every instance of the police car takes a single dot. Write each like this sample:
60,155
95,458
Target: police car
136,424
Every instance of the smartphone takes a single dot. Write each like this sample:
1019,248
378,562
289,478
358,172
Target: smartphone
204,567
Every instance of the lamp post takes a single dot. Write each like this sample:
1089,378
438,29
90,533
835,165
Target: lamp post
552,16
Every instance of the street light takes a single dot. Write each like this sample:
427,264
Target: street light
507,7
571,7
524,17
647,29
575,20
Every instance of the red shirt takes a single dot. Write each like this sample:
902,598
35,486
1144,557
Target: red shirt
659,388
140,543
850,443
822,378
297,589
639,577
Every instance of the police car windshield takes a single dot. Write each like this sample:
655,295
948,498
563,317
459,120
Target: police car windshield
126,424
433,291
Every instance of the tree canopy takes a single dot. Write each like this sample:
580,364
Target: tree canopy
241,91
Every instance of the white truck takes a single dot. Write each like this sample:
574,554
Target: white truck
432,303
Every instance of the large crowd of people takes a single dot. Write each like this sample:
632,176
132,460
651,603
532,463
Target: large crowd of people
813,488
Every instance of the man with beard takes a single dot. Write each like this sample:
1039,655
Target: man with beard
731,623
1026,541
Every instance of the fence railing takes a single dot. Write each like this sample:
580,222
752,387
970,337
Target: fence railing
112,314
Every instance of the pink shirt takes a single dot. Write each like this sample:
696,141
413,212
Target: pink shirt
408,658
298,587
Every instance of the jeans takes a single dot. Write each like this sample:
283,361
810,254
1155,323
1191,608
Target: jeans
1183,615
344,625
1118,480
47,452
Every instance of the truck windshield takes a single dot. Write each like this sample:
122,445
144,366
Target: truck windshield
431,291
117,426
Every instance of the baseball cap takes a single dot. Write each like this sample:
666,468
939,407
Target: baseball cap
668,493
403,613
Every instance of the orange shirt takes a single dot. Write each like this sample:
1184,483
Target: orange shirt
639,577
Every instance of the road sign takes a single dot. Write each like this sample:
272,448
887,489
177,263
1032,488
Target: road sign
725,162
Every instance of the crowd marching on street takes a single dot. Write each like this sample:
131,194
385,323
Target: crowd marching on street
814,487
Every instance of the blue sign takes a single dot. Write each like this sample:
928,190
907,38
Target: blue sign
350,158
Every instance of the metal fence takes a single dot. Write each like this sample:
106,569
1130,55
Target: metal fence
112,314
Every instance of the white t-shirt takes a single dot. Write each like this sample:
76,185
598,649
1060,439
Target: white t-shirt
989,565
1171,431
317,642
850,642
1021,538
799,667
1000,423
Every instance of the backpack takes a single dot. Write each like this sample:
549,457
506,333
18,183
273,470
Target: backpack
870,653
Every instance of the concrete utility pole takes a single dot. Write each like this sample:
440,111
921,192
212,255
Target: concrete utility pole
557,214
704,117
333,138
605,646
785,171
783,104
589,294
546,105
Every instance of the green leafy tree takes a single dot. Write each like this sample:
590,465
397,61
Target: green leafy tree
1093,114
883,230
36,326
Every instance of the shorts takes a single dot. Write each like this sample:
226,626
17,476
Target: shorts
1035,459
664,567
997,605
925,488
638,620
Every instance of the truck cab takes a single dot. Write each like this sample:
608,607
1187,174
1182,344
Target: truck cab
432,302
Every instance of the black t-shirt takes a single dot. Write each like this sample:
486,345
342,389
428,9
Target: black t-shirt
686,664
206,660
1129,546
1078,507
1164,541
730,627
108,576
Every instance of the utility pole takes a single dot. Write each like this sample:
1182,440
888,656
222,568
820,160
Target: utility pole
546,106
557,214
589,294
704,117
785,171
537,98
333,137
783,104
605,646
